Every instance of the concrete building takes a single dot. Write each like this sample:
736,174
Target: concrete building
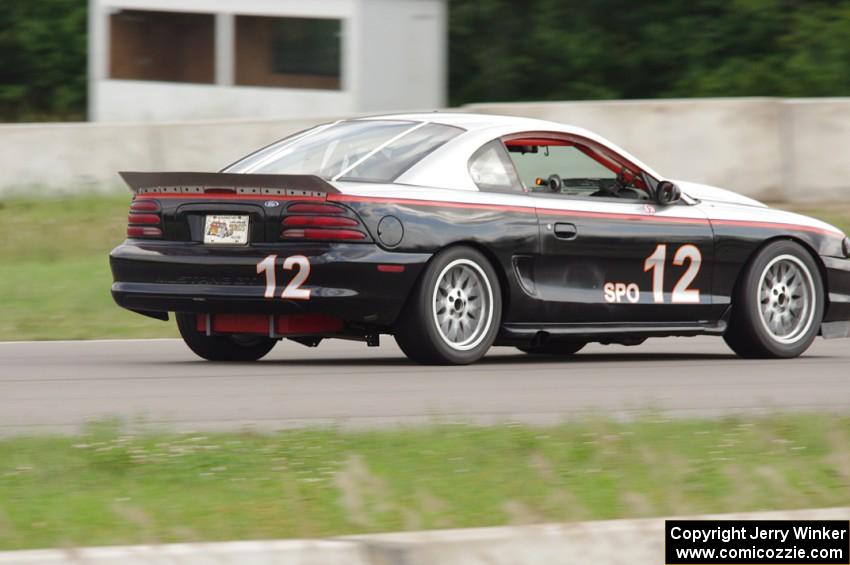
172,60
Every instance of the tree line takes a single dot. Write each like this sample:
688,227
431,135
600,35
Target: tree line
43,59
505,50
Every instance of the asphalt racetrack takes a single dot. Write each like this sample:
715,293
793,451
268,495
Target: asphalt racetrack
60,386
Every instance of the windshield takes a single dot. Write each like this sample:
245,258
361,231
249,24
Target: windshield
362,150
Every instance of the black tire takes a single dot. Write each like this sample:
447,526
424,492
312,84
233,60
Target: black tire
222,347
762,299
477,312
560,348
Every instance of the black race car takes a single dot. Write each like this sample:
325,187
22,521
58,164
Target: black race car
456,232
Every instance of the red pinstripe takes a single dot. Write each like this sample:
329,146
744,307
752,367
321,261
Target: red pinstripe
503,208
582,213
520,209
778,225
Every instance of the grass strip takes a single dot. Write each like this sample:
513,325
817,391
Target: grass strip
54,270
109,486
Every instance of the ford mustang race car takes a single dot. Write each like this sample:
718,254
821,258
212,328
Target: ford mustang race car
457,232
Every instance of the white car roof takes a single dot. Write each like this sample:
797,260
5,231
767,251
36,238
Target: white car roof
447,167
468,121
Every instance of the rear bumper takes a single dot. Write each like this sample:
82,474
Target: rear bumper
344,280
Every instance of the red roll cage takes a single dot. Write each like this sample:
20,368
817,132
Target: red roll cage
596,151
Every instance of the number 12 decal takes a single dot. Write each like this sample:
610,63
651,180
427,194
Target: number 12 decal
293,290
682,293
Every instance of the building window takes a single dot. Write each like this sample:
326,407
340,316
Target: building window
288,52
162,46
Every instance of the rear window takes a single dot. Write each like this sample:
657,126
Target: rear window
363,150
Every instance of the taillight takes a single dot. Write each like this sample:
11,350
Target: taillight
144,219
323,235
140,231
144,206
321,222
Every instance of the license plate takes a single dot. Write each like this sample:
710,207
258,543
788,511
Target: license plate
226,230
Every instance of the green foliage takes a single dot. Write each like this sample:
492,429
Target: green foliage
43,61
504,50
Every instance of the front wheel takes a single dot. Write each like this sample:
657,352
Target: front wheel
778,304
454,311
222,347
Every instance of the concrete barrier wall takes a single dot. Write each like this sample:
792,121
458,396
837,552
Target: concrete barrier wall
66,158
769,148
731,143
817,166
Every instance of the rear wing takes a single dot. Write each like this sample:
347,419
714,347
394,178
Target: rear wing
235,183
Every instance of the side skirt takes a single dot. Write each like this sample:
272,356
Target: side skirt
512,333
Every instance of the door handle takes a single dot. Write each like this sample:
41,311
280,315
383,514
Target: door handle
565,231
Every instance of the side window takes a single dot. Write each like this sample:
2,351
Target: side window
578,171
570,169
491,169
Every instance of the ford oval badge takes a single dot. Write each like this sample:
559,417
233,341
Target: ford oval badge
271,204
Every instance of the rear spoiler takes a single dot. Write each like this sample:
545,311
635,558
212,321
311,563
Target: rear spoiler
236,183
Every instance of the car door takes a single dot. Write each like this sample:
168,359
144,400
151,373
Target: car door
605,257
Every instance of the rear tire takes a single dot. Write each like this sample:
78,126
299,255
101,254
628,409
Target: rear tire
778,304
560,348
222,347
453,313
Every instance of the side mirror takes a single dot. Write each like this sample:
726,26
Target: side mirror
667,193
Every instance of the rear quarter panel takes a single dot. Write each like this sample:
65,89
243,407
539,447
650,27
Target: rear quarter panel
434,219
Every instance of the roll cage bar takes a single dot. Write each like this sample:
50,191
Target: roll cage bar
602,154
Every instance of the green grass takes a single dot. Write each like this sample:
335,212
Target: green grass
54,272
112,487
